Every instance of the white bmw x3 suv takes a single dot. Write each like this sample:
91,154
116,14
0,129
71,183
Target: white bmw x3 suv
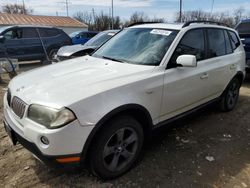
101,108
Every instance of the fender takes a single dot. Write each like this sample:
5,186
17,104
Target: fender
124,108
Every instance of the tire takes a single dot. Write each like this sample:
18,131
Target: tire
52,54
117,148
230,96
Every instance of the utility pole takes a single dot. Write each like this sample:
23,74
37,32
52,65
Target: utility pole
112,13
212,8
67,7
23,7
180,11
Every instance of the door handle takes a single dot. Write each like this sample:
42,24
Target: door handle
204,76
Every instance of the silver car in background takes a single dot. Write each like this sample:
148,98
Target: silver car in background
72,51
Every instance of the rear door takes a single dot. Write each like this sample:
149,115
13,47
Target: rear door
222,61
32,46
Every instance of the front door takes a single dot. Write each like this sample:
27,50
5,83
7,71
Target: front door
186,87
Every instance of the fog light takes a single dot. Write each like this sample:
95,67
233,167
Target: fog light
45,140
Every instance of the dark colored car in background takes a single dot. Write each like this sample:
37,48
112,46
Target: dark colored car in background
243,29
68,52
30,42
81,37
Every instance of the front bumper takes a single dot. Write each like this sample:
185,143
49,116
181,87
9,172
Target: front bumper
48,160
64,142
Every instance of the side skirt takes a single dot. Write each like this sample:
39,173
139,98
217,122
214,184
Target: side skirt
173,119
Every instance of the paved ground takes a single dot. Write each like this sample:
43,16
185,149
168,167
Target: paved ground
207,149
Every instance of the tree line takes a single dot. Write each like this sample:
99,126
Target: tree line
103,21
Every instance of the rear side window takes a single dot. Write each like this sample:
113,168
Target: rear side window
83,35
216,43
47,32
234,39
229,49
29,33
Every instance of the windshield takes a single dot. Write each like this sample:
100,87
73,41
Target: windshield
99,39
74,34
145,46
244,28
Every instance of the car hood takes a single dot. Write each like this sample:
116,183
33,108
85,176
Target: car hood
67,51
68,82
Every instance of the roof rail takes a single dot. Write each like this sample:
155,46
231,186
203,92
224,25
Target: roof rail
140,23
204,21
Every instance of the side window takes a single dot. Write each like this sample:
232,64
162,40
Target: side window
229,49
216,43
83,35
45,32
234,40
13,34
90,35
29,33
191,44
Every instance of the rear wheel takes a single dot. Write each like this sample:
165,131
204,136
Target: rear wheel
117,147
52,54
230,96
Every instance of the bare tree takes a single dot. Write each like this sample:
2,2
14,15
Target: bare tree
238,14
199,15
16,9
84,17
138,17
98,22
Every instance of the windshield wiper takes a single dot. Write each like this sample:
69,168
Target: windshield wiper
112,59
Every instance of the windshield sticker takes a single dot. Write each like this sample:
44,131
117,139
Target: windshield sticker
111,34
161,32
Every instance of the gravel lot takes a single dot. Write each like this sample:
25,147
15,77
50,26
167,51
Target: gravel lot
206,149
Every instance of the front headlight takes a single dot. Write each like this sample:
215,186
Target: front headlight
50,117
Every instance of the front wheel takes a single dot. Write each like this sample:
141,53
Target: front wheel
117,147
230,96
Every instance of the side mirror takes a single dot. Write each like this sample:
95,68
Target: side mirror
77,36
187,61
2,39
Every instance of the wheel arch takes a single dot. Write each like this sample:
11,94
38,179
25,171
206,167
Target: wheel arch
239,75
140,113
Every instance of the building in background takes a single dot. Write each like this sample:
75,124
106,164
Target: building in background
67,24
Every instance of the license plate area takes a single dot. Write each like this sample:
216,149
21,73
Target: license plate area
10,133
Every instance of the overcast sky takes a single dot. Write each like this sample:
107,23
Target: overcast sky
124,8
